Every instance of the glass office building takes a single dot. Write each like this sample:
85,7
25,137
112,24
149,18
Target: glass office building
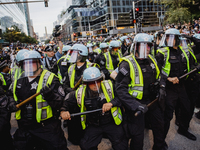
107,17
12,14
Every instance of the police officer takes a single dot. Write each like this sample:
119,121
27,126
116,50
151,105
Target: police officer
101,60
195,47
50,60
4,75
39,126
192,83
62,63
91,54
125,44
174,61
138,73
93,94
5,109
113,56
6,55
77,55
96,48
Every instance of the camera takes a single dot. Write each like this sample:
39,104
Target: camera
57,31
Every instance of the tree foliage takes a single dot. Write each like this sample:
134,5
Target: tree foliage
15,35
179,11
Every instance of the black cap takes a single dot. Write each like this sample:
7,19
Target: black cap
48,49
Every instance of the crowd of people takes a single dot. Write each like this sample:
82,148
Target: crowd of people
112,88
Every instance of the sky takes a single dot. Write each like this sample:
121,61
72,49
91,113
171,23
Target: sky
45,16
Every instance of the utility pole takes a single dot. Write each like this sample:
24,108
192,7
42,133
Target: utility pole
134,17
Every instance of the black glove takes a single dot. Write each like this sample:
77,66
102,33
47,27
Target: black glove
142,108
162,97
46,91
12,105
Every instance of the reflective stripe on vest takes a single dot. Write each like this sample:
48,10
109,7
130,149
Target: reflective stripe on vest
119,54
72,71
2,79
97,50
155,63
136,85
192,53
109,64
80,94
107,88
43,109
167,65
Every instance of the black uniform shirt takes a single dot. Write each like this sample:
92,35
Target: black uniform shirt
25,89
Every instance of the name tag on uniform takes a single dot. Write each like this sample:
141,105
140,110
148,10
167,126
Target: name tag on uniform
64,63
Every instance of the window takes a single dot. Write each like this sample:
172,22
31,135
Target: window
124,9
114,3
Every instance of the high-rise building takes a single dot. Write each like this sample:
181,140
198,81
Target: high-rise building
28,20
108,17
12,14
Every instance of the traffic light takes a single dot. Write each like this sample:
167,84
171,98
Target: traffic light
137,14
134,21
74,34
57,31
46,3
131,15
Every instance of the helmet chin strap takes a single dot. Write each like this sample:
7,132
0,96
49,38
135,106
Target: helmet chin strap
37,69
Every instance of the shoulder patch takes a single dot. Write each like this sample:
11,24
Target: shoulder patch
123,71
61,91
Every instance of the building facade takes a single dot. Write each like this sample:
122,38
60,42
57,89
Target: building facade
85,19
12,14
28,20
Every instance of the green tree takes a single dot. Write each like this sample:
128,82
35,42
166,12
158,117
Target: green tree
47,41
179,11
14,34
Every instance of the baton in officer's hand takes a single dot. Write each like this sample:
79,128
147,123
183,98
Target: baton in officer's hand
27,100
139,112
181,77
84,113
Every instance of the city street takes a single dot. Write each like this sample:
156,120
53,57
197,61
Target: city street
109,60
174,140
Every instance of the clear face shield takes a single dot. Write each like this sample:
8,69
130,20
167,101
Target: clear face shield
72,56
29,68
142,50
95,85
184,43
168,40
